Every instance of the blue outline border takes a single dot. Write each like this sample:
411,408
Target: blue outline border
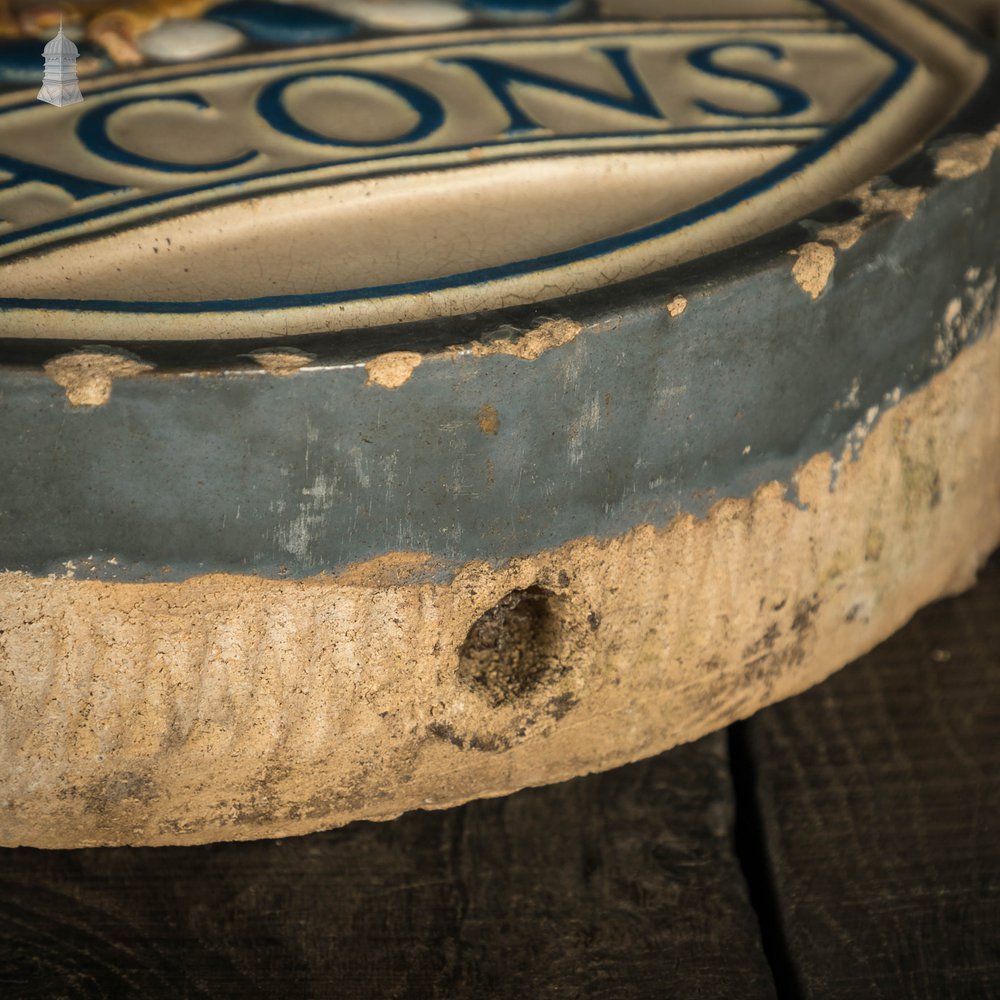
238,182
905,66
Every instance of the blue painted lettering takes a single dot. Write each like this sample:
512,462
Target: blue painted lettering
92,131
430,113
499,76
791,100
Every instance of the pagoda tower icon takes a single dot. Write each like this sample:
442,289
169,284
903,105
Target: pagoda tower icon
59,83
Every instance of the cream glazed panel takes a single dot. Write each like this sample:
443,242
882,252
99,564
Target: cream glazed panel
791,111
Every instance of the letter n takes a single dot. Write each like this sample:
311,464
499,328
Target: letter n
500,77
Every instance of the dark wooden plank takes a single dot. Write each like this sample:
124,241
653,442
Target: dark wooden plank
880,800
613,886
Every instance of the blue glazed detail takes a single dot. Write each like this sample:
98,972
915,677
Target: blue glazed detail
499,76
92,131
301,172
791,100
22,62
271,108
239,184
282,24
78,187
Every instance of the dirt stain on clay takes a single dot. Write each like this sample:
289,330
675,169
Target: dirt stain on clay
531,344
112,793
766,657
88,376
484,743
489,419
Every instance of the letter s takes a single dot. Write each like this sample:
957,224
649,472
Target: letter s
791,100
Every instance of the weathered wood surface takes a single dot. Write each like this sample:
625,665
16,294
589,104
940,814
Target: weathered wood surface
880,798
868,813
617,885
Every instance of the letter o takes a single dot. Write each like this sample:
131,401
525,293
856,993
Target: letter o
271,108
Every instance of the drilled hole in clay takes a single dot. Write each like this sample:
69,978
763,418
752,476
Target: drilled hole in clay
513,647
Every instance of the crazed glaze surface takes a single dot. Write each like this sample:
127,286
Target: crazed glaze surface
391,180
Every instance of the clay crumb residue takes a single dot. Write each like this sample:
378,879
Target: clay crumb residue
965,155
392,370
87,375
677,305
812,268
844,235
875,200
532,343
489,419
285,362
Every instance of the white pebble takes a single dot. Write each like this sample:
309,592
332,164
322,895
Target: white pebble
184,40
399,15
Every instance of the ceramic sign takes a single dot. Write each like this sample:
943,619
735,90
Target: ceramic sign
412,402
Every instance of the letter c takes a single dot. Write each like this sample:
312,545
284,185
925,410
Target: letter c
92,131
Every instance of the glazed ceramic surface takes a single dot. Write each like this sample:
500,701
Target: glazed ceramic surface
403,178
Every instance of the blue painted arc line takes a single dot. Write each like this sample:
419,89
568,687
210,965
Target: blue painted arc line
238,184
305,301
